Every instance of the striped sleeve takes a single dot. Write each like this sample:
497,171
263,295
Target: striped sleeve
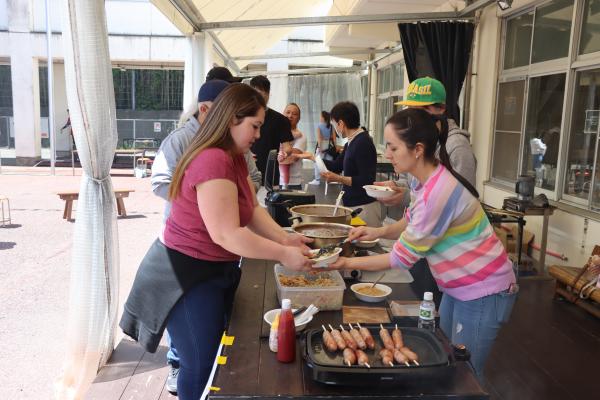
430,219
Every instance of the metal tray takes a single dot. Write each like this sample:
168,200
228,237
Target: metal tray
434,358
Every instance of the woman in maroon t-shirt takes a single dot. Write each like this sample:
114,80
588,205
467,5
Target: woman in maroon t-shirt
188,278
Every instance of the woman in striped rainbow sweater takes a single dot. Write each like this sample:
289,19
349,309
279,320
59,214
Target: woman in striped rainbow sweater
446,225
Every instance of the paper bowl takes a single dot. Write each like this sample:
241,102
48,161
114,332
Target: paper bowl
366,244
369,298
324,261
270,316
379,192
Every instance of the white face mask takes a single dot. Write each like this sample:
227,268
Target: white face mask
335,128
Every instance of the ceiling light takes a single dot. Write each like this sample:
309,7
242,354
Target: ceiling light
504,4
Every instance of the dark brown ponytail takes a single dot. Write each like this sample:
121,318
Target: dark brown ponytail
445,158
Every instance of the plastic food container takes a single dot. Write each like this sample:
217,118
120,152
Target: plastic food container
323,297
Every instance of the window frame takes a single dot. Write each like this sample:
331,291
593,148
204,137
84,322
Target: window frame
549,67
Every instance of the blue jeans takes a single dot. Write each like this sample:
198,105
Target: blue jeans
172,356
476,323
196,325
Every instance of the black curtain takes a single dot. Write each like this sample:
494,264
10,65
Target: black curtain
440,50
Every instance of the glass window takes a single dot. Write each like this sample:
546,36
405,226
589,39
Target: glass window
542,128
552,31
387,80
158,89
122,84
397,77
518,41
507,136
43,82
379,81
583,135
385,109
5,87
590,32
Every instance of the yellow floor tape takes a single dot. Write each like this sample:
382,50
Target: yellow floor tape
227,340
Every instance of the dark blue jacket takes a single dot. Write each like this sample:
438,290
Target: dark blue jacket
358,160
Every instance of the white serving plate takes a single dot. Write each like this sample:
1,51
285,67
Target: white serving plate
366,244
270,316
379,192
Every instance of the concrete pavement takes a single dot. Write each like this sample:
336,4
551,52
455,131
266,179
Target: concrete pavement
34,271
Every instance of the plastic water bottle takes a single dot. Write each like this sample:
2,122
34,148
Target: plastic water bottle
427,312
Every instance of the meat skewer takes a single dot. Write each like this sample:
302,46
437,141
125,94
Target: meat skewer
350,342
386,357
400,358
360,342
329,341
367,337
363,359
397,338
388,343
412,356
349,356
337,336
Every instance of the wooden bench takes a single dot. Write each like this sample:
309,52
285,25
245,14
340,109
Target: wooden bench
68,197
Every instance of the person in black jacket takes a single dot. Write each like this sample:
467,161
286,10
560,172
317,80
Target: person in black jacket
358,162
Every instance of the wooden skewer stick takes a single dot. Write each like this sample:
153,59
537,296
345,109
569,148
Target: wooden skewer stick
391,364
381,326
348,363
359,327
367,364
330,327
416,362
406,363
342,326
396,326
325,329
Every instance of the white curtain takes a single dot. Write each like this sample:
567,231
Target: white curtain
95,259
316,93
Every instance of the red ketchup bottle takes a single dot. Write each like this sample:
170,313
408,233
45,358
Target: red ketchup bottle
286,334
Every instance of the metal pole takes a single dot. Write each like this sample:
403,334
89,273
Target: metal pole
50,90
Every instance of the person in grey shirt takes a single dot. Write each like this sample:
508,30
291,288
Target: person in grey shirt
175,144
165,164
429,94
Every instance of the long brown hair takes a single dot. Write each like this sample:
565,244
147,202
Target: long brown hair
235,103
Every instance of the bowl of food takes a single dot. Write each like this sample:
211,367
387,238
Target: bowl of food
379,192
321,258
369,293
366,244
269,317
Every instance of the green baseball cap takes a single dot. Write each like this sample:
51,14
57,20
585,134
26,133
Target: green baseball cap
424,92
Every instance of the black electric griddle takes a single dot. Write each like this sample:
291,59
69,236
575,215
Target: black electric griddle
435,360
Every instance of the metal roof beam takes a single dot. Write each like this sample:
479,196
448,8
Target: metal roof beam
474,6
302,71
332,53
328,20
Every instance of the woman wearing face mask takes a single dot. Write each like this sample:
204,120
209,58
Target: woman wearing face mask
290,166
189,276
358,162
446,225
